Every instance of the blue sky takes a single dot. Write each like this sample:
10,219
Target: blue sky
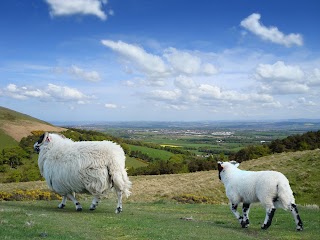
168,60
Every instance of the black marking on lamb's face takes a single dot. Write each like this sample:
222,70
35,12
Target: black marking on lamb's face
37,145
220,169
41,139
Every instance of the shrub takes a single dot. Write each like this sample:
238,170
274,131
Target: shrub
27,195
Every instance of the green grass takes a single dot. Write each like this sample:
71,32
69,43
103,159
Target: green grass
11,115
159,220
6,141
134,163
154,153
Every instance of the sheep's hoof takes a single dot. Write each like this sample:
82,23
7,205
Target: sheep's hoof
264,227
93,207
79,209
299,228
61,206
119,210
245,224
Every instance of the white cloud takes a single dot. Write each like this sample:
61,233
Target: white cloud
91,76
184,82
65,93
157,68
305,102
272,34
83,7
24,92
279,71
51,92
186,63
314,78
279,78
111,106
165,95
137,56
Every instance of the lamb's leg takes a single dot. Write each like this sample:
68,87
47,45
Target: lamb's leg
245,211
119,206
297,219
233,208
63,202
94,203
75,201
268,220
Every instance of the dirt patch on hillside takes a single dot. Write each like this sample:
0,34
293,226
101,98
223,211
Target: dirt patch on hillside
23,128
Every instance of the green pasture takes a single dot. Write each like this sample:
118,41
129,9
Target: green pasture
139,220
154,153
134,163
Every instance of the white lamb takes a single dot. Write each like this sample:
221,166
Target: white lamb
82,167
270,188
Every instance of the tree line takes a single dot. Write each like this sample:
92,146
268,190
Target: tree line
307,141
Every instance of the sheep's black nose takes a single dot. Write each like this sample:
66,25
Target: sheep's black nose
37,149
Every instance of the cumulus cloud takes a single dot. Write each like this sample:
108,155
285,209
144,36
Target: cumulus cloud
83,7
23,93
137,56
279,78
51,92
186,63
170,63
279,71
91,76
272,34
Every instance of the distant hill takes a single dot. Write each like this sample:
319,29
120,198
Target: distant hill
15,125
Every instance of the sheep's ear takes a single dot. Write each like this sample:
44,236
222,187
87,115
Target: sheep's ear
235,163
46,137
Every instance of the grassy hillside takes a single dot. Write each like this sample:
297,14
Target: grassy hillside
16,125
301,168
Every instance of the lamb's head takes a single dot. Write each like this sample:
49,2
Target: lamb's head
43,138
223,166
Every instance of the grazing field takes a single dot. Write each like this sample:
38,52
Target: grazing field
139,220
134,163
156,208
153,153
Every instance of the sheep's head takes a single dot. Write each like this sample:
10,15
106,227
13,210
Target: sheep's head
43,138
222,166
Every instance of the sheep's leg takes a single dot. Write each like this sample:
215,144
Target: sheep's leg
63,202
297,219
233,208
94,203
268,220
245,211
75,201
119,206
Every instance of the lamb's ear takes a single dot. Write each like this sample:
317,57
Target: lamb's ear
235,163
46,137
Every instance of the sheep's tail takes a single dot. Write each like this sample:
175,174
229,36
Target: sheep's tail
285,194
119,179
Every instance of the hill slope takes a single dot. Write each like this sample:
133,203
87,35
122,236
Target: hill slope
301,168
17,125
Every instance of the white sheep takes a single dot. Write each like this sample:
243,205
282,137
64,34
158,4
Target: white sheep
82,167
270,188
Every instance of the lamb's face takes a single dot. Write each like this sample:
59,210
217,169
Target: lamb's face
41,140
223,166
